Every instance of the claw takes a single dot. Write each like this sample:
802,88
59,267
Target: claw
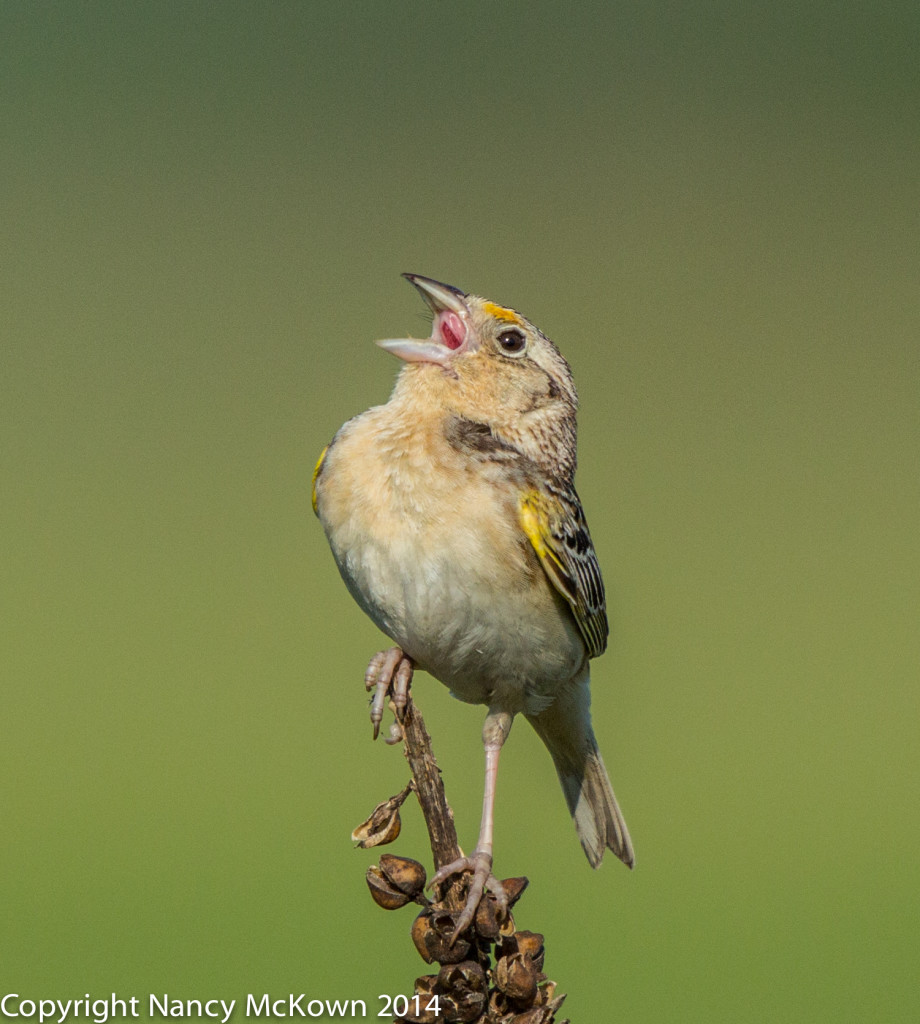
479,864
401,680
389,673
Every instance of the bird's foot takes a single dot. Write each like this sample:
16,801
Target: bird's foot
479,864
389,675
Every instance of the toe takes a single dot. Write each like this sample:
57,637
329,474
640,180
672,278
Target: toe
379,678
479,867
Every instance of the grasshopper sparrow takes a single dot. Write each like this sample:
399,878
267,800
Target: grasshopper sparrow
453,518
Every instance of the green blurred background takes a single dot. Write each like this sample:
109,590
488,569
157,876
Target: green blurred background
713,210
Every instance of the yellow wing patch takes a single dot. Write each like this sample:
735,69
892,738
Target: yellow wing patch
559,535
536,525
319,466
500,313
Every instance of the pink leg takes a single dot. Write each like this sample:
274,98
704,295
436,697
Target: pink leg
388,674
494,733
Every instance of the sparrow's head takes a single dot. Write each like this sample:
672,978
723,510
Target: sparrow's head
489,364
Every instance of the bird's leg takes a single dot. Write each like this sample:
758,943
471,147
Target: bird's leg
388,674
479,863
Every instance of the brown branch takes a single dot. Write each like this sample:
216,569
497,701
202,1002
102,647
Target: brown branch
492,973
429,788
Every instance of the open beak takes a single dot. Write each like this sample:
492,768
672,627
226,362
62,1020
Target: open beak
449,329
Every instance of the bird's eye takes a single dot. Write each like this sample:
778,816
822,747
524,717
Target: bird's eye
512,341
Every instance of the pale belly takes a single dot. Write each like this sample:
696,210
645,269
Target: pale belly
443,568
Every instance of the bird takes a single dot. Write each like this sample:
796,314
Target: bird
453,518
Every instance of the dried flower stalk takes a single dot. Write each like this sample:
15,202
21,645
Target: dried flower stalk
491,973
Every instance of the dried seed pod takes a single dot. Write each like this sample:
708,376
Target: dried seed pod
426,985
426,988
405,874
384,893
486,921
499,1005
382,826
554,1004
431,933
545,991
464,989
506,928
546,1000
424,1016
536,1015
516,976
514,889
530,943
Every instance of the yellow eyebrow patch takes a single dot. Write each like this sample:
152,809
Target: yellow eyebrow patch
500,313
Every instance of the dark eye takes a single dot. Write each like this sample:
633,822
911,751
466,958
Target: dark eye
512,341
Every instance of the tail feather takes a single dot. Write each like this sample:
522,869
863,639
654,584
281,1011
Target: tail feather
565,728
598,818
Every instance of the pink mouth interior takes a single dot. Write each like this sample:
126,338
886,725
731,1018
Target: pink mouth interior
452,328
